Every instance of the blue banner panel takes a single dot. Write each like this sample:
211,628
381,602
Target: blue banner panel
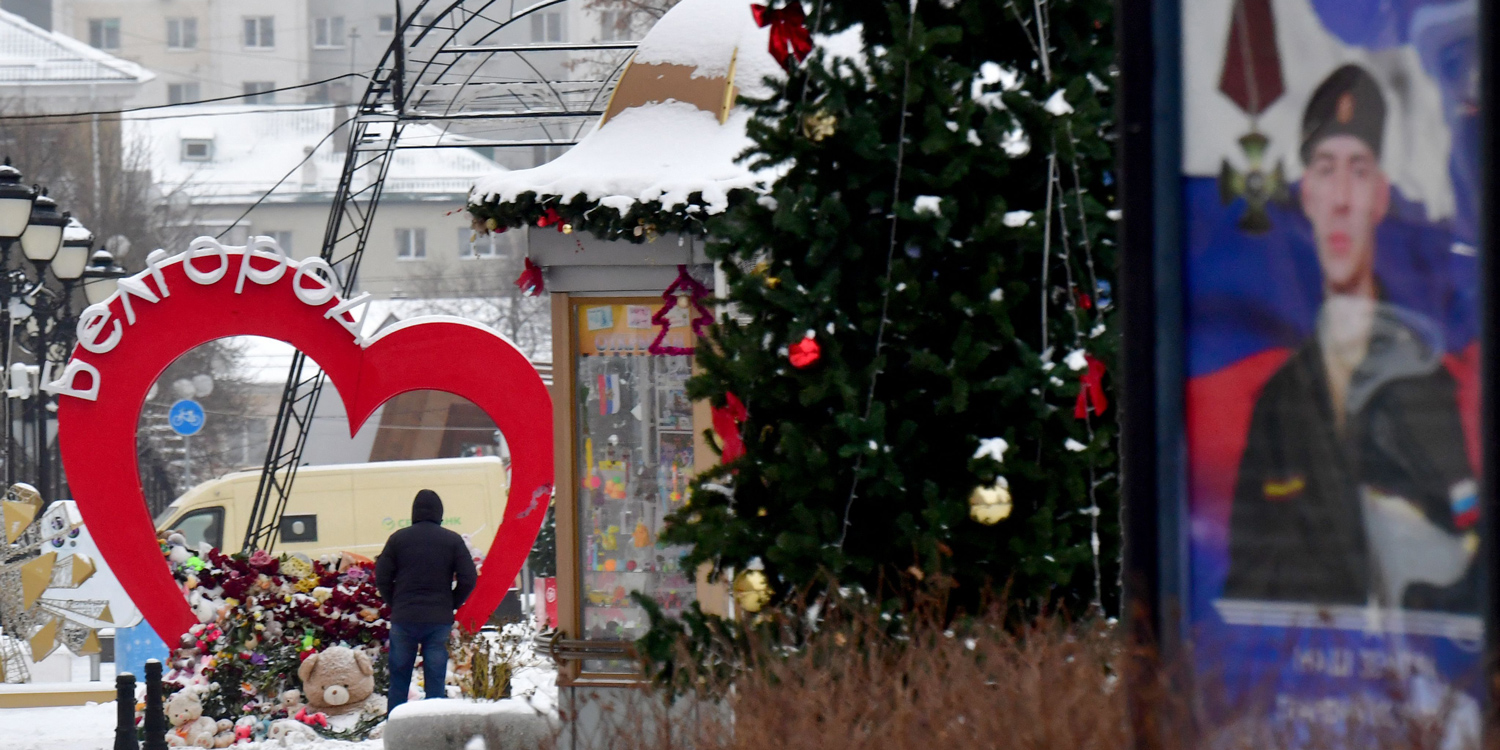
1330,200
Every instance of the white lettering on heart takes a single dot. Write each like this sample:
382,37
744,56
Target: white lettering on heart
65,384
317,295
203,247
135,286
261,247
352,323
91,323
100,332
154,262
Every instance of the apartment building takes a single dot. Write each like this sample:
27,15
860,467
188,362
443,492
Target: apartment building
218,161
208,49
200,49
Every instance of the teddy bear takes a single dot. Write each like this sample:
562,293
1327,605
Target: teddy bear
290,731
190,728
224,733
337,680
289,701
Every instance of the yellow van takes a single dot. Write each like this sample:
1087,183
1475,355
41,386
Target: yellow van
346,508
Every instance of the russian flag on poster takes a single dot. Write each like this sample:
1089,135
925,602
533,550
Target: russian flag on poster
609,395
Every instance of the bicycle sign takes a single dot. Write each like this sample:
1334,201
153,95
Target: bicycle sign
186,417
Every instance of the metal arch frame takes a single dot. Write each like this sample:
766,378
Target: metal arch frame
390,103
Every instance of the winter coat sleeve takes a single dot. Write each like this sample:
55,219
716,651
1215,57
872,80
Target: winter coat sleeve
463,570
385,572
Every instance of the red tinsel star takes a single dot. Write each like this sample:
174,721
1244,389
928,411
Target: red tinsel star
789,35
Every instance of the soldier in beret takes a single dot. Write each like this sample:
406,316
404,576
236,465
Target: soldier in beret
1355,486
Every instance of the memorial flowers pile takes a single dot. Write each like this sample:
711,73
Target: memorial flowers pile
259,617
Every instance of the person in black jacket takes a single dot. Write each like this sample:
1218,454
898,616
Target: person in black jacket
424,573
1355,485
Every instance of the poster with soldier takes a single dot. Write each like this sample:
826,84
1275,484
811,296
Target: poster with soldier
1330,160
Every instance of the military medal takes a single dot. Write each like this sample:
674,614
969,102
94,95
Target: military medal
1252,80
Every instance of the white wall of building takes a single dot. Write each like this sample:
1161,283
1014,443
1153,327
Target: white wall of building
212,51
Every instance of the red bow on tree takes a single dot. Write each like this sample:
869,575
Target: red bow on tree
530,281
789,34
727,420
550,218
1091,392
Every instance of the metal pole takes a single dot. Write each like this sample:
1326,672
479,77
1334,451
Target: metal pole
156,716
7,289
41,314
125,738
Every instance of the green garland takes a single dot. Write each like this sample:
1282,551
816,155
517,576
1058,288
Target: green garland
644,222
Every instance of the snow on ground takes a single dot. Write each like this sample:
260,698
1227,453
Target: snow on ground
92,727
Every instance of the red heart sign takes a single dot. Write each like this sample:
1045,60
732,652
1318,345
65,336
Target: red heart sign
189,299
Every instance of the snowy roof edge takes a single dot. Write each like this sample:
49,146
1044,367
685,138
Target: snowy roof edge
129,72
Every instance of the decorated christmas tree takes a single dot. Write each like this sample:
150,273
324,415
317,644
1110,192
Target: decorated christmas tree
912,377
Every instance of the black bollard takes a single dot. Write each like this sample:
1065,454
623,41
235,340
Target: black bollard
156,715
125,712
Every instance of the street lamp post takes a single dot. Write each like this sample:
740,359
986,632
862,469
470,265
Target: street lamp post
41,243
57,313
16,201
49,239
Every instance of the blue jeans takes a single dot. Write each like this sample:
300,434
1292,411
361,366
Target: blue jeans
433,638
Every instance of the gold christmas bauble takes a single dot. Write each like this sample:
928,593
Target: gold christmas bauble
819,125
752,590
990,505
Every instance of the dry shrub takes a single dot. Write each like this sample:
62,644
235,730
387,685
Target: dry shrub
858,680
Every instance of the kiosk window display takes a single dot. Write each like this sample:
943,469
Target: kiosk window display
634,455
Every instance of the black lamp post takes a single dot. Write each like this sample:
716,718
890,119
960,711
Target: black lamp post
56,324
41,243
50,239
16,201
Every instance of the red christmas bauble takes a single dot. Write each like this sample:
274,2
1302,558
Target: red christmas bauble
804,352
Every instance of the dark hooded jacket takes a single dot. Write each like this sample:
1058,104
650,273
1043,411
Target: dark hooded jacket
425,571
1297,531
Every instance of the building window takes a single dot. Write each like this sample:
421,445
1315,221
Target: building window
283,238
385,24
614,26
546,27
197,149
411,244
259,92
260,32
472,244
328,33
182,93
182,33
104,33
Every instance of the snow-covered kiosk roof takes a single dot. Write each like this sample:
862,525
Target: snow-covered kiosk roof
667,144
